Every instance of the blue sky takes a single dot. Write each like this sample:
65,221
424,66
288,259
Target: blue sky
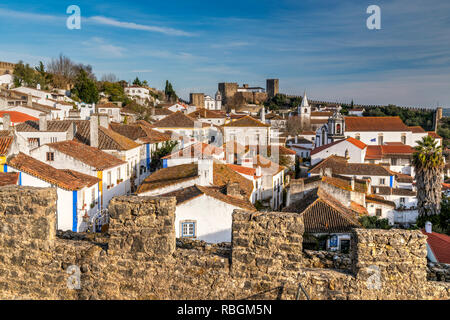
322,46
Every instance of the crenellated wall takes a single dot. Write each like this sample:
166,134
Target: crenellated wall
139,259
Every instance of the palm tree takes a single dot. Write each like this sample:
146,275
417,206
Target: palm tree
429,163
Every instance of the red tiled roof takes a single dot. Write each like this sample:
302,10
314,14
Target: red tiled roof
93,157
43,171
108,105
17,117
434,135
5,144
243,170
440,245
355,142
380,151
198,150
417,129
246,121
358,124
8,178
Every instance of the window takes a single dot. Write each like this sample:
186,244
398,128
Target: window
393,162
338,128
93,197
378,212
382,181
403,138
188,229
50,156
108,181
402,200
118,174
53,139
380,139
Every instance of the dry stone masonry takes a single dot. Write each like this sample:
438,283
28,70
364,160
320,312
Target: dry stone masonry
141,259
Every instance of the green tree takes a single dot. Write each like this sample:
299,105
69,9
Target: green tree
429,163
85,88
137,82
373,222
24,75
170,93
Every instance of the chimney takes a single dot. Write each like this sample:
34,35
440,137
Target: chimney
6,121
428,227
233,190
71,132
104,120
153,111
29,101
352,183
328,172
42,122
263,115
258,171
94,130
205,172
296,139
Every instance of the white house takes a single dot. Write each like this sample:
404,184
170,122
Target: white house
246,131
77,192
111,109
110,171
212,218
354,150
139,94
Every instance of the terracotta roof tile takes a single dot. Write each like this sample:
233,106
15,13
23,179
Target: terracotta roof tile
195,151
8,178
359,124
43,171
17,117
417,129
440,245
5,145
339,165
246,121
434,135
179,120
324,214
93,157
206,114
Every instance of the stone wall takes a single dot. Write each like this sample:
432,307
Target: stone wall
438,271
140,259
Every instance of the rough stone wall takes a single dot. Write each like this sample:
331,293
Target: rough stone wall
438,271
197,99
140,258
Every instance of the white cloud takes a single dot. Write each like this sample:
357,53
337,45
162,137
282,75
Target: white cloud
99,45
134,26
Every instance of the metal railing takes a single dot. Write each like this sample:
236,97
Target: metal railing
100,218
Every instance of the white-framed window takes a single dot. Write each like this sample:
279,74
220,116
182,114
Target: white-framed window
108,181
53,139
402,200
188,229
382,181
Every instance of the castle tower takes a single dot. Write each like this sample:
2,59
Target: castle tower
304,112
272,87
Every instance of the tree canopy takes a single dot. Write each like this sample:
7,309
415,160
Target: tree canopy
85,88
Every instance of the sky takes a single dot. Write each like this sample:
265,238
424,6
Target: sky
321,46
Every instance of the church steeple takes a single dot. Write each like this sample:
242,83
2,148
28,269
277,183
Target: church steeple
305,102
